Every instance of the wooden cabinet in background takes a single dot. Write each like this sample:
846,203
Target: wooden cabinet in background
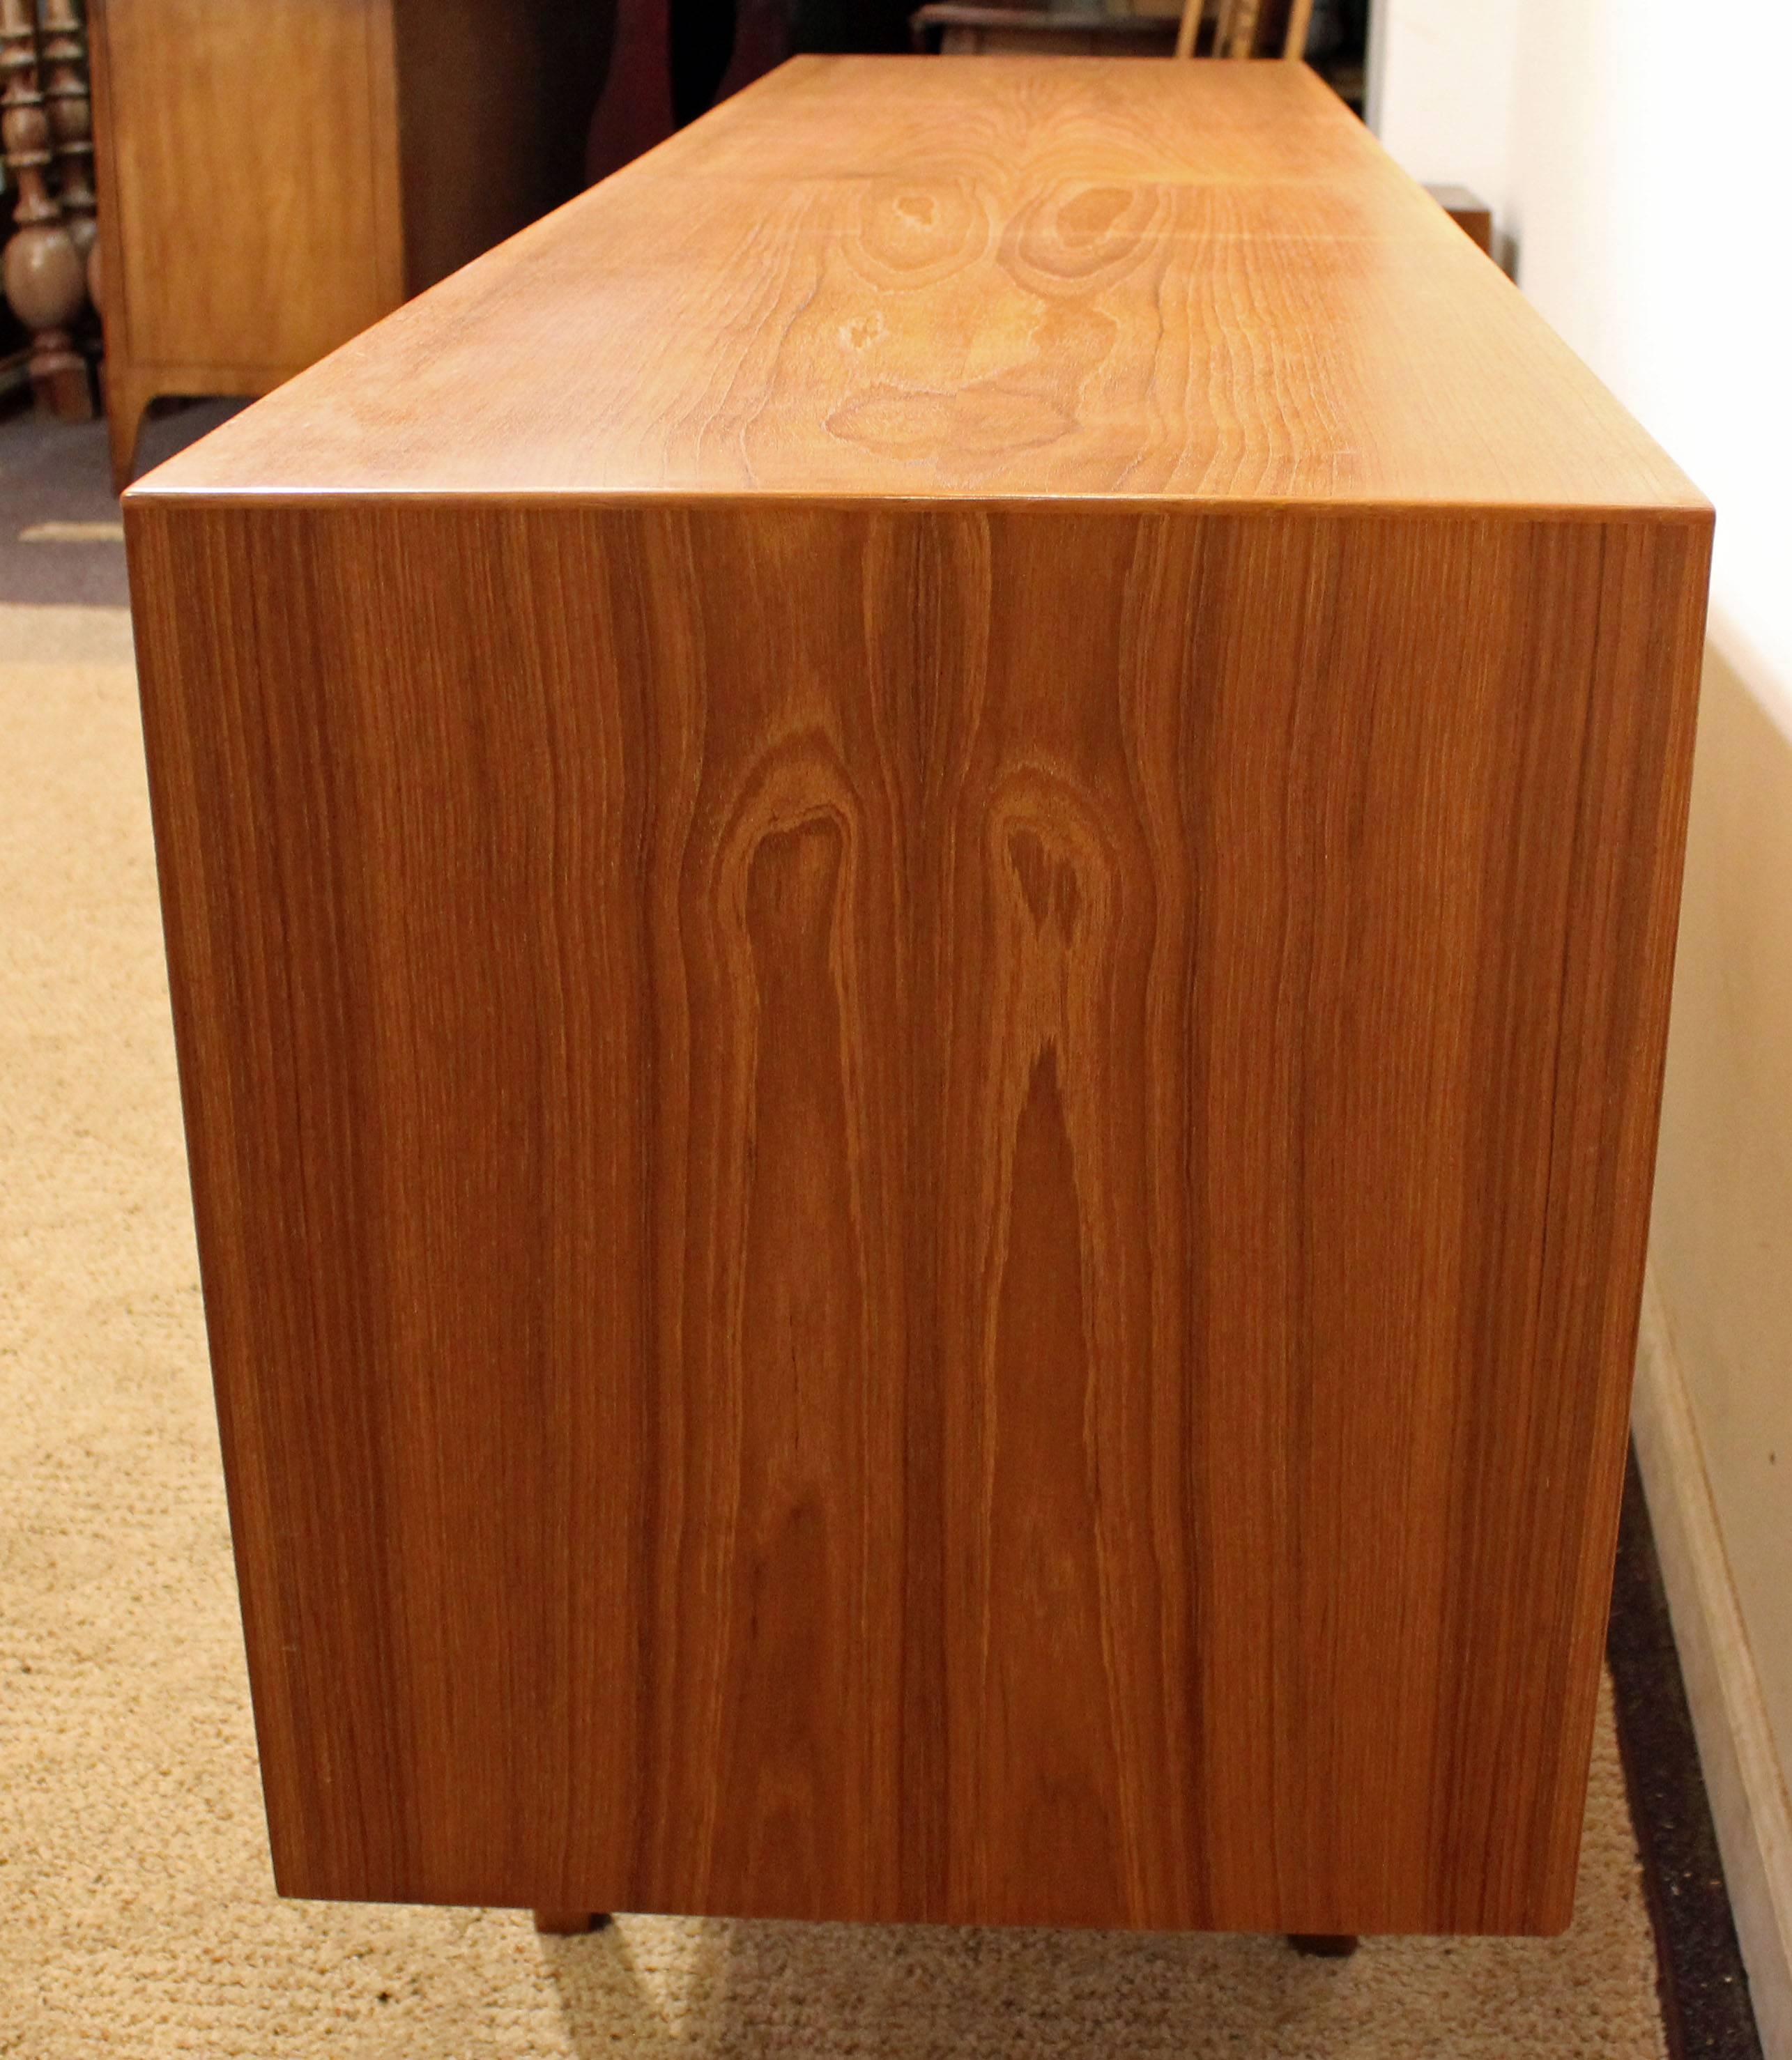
274,177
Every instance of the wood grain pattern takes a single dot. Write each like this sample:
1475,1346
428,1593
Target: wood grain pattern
243,151
925,1207
993,276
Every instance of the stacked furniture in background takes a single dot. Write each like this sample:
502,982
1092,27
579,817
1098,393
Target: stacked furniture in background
275,177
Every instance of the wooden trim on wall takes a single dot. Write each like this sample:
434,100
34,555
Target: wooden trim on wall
1743,1777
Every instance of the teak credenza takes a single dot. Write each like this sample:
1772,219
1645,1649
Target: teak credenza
920,878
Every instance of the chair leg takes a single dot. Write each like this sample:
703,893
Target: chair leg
127,396
571,1923
1324,1945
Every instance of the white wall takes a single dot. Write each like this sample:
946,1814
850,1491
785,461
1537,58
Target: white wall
1720,1240
1424,55
1636,151
1645,189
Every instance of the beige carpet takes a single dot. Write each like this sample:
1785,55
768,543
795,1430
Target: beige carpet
136,1913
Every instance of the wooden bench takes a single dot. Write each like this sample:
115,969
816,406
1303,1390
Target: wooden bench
920,879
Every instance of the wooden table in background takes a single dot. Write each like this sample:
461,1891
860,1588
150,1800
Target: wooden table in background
920,879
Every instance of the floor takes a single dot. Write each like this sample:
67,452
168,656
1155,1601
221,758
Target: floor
136,1913
60,538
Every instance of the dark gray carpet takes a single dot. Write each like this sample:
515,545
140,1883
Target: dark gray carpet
57,474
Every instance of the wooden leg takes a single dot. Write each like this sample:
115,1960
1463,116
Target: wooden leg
570,1923
1324,1945
126,397
65,390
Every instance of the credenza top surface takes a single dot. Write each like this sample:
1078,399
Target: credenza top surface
978,279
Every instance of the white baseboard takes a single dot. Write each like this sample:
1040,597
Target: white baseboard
1743,1777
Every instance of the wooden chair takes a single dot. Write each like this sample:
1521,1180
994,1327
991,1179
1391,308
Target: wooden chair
1236,29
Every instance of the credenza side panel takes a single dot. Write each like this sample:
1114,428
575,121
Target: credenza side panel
922,1213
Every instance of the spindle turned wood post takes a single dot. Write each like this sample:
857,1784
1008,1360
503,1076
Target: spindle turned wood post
44,274
68,99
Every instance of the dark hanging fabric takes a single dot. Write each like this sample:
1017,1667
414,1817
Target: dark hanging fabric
852,25
635,107
702,45
762,40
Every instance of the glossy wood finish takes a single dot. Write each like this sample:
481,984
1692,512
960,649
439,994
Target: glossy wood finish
275,177
987,277
922,1195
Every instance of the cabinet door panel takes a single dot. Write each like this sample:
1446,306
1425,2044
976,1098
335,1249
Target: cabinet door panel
246,146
